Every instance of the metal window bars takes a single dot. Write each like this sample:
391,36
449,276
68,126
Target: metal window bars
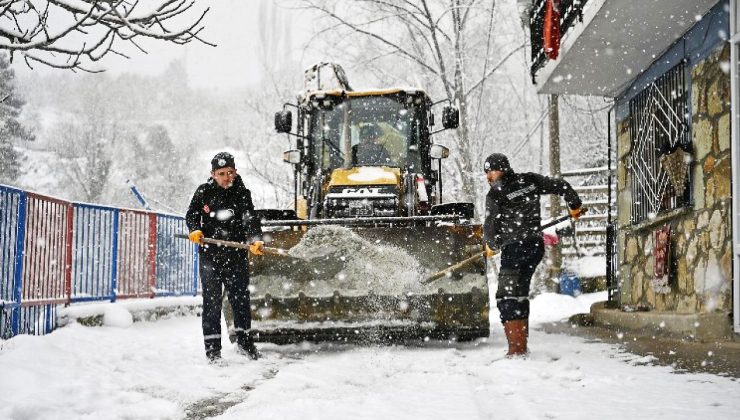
659,124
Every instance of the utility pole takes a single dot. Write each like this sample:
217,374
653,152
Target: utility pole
554,124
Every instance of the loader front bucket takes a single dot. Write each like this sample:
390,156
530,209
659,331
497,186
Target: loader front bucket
365,284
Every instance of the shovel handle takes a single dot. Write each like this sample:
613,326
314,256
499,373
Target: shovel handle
469,260
454,267
561,219
266,249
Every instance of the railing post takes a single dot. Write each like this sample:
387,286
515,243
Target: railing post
18,272
152,255
114,258
68,253
611,266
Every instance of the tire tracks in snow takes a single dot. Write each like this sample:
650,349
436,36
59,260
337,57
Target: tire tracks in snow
219,403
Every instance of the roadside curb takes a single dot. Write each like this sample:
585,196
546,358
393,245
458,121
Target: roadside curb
705,327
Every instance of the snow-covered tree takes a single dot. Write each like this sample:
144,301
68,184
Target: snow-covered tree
155,166
85,158
11,130
75,34
281,72
85,144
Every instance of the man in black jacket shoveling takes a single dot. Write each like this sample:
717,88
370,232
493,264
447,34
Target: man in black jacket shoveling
222,208
512,225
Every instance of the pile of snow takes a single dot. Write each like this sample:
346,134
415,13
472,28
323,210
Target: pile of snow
553,307
84,310
588,267
117,316
361,265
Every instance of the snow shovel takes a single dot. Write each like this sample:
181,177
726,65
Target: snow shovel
481,254
305,267
266,249
454,267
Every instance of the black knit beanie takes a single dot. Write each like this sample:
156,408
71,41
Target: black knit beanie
497,162
222,160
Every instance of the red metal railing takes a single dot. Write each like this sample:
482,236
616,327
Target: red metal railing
47,251
137,251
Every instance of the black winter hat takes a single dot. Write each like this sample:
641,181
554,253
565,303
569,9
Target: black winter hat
222,160
497,162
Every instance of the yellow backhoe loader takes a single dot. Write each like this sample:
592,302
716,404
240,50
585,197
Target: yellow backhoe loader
369,225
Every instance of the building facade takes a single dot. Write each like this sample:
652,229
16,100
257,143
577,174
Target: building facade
672,74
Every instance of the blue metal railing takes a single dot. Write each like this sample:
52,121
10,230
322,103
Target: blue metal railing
37,319
94,253
12,226
154,262
172,255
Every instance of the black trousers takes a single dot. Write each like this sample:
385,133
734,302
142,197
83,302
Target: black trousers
216,275
518,263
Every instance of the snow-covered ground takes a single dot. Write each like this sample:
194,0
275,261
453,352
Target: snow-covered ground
157,370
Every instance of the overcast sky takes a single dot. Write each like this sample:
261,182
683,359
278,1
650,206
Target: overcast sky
231,24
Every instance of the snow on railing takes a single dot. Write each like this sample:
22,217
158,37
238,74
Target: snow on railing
56,252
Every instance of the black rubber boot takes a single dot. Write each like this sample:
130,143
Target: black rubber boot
213,355
246,346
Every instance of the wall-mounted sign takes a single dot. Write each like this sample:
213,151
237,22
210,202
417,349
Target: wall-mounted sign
662,253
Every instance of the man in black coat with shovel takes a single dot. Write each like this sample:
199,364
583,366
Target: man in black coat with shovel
222,209
512,225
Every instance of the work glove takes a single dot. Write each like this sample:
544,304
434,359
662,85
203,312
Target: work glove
489,252
576,213
196,236
257,248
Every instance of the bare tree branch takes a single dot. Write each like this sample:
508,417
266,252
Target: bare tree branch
489,33
74,34
397,48
494,68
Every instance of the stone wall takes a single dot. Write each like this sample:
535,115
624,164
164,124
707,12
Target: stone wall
701,235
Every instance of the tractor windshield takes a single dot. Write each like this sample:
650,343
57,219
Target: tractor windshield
366,131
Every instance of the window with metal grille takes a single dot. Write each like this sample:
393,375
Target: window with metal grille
659,131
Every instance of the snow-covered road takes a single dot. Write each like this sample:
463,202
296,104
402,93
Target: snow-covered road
157,370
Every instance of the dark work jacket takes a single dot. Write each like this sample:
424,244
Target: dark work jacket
227,214
513,206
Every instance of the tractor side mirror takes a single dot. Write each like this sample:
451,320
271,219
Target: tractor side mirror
283,121
437,151
450,117
292,156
